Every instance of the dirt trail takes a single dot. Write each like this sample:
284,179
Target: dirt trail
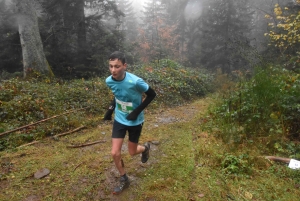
177,114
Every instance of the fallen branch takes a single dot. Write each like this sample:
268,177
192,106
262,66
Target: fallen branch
69,132
278,159
59,135
22,127
23,145
84,145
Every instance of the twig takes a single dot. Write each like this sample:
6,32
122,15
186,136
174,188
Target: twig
23,145
16,129
84,145
77,166
69,132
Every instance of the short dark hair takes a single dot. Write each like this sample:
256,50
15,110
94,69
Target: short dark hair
118,55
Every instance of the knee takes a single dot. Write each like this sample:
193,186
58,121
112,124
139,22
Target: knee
115,154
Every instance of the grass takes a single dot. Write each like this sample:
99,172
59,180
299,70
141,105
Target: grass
171,177
186,163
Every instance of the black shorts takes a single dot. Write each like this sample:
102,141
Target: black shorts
134,132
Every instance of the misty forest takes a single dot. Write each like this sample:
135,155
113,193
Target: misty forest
227,78
72,39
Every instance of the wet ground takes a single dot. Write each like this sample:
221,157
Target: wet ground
178,114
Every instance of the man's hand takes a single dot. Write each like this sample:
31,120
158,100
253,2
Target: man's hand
110,110
132,116
108,114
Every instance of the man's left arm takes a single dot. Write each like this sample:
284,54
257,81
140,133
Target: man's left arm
135,113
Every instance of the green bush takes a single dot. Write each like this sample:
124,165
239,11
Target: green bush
236,165
266,105
174,83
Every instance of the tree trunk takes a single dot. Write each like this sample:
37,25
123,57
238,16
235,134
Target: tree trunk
227,60
81,32
34,59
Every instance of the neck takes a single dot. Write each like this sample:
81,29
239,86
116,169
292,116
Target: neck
121,78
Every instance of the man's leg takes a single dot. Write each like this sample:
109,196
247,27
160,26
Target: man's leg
116,154
134,148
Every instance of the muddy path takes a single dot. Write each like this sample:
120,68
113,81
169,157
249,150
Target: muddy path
169,116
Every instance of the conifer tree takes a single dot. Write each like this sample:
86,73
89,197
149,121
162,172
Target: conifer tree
176,13
128,23
157,37
225,28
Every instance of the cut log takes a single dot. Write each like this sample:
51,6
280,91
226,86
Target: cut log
278,159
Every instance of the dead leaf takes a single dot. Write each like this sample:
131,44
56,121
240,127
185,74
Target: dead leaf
201,195
248,195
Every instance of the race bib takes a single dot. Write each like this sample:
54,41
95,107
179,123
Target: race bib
124,106
294,164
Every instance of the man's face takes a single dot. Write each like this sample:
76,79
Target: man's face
117,69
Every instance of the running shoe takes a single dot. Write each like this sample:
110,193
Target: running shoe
124,183
145,154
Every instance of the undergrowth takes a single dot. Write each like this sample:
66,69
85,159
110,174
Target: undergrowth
23,102
264,108
186,163
174,82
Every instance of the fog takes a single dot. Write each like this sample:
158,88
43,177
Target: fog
192,10
222,35
138,6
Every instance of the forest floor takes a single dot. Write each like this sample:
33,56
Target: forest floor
184,164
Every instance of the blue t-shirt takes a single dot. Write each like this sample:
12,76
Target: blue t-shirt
128,94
